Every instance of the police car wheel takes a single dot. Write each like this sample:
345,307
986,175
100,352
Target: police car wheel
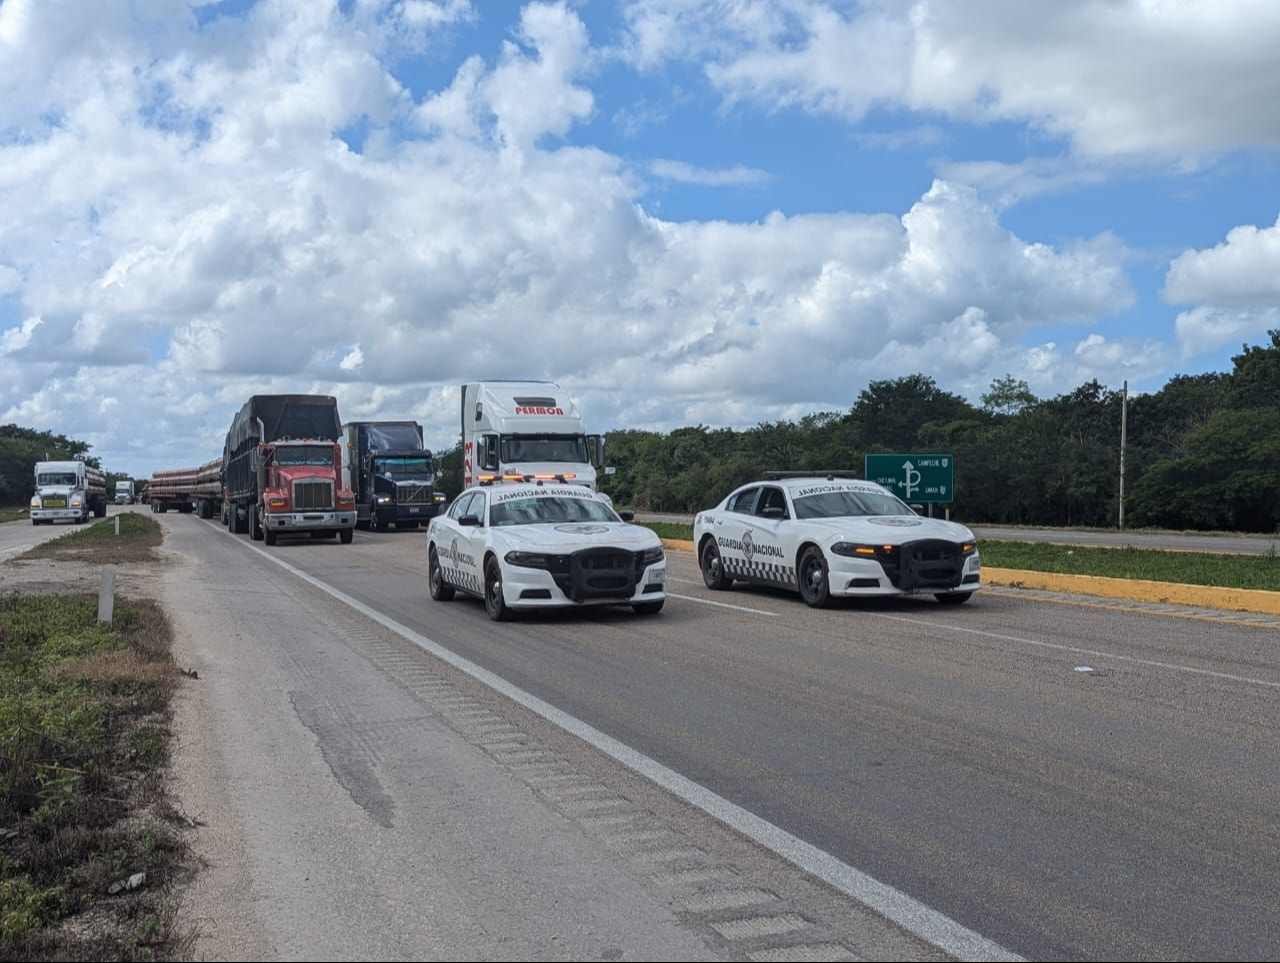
952,598
494,602
713,569
647,608
812,575
440,590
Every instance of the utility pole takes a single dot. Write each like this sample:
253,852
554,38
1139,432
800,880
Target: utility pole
1124,438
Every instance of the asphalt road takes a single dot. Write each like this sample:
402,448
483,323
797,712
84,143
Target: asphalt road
18,536
956,754
1170,541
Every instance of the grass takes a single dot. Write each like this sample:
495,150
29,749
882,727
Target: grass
99,544
83,742
1193,568
12,513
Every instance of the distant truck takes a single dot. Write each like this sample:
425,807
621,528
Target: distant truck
124,493
528,428
390,472
281,469
67,489
173,489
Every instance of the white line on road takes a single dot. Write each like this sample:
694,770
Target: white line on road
722,605
926,923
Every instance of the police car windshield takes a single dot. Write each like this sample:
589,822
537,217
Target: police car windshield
549,510
841,504
56,478
518,449
304,455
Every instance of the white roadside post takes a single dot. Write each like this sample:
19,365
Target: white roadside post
107,594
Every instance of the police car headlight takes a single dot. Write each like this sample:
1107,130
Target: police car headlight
528,559
854,550
650,556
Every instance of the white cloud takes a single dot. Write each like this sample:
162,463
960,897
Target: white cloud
193,227
736,176
1119,78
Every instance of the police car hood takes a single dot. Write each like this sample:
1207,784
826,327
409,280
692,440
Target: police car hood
565,537
889,529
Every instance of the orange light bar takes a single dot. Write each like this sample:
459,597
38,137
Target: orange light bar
865,550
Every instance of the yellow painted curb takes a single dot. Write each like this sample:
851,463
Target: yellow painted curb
1138,590
679,544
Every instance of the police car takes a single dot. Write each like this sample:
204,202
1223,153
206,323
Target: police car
528,542
828,536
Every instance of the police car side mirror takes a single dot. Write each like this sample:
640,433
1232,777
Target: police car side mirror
627,516
774,511
469,521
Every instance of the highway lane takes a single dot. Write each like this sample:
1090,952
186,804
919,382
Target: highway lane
956,754
1168,541
17,537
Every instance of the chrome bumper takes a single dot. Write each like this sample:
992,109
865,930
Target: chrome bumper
305,521
48,514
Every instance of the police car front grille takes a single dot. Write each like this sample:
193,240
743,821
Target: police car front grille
600,573
926,564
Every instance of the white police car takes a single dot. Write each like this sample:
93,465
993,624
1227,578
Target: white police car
526,542
828,536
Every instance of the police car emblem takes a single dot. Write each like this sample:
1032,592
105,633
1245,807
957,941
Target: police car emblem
582,529
891,522
748,546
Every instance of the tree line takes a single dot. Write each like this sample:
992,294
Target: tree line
21,448
1203,452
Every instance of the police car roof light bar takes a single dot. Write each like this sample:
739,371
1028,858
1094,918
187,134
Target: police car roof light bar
829,475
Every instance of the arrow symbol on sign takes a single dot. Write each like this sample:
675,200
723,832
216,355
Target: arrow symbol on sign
912,483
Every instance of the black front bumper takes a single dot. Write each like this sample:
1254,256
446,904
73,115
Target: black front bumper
930,563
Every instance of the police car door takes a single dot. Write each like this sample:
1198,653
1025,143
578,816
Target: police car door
732,531
453,545
769,560
477,537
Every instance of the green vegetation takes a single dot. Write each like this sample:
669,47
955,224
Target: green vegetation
21,448
83,737
1193,568
1204,450
12,514
99,544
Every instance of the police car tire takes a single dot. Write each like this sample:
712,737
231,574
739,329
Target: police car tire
952,598
816,592
440,590
647,608
494,603
713,569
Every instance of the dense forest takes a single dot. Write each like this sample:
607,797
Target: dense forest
21,448
1203,451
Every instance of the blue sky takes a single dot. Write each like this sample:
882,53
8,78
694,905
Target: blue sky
684,210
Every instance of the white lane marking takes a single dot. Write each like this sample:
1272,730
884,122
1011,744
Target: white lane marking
722,605
922,921
1080,649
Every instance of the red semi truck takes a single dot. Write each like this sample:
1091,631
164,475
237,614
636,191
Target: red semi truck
281,470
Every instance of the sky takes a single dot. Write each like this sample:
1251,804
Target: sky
684,211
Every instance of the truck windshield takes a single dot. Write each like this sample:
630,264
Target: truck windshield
56,478
849,503
537,510
304,455
122,487
517,449
404,467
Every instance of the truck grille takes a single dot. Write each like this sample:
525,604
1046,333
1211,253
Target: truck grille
412,493
313,494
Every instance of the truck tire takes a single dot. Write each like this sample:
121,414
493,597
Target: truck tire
269,535
241,524
347,535
411,526
100,509
440,590
255,524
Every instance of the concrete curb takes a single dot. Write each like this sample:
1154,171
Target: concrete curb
1138,590
1132,589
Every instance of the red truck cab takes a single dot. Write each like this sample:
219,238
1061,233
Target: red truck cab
303,490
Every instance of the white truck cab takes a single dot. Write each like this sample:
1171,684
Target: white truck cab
124,492
526,428
67,489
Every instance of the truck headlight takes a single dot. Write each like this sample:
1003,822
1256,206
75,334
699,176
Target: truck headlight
76,501
277,504
35,501
382,499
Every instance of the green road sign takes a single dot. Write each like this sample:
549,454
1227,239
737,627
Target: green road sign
916,479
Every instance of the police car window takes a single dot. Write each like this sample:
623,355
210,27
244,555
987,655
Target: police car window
741,502
772,498
549,509
456,510
476,507
842,503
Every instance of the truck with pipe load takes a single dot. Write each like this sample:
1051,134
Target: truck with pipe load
281,470
67,490
173,489
391,473
207,492
526,429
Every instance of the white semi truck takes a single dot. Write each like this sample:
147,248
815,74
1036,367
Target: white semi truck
67,489
124,492
526,428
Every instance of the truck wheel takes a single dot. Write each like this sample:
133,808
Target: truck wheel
255,524
815,588
713,568
440,590
952,598
347,535
269,535
494,602
100,510
411,526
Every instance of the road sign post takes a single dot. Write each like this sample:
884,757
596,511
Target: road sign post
923,479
